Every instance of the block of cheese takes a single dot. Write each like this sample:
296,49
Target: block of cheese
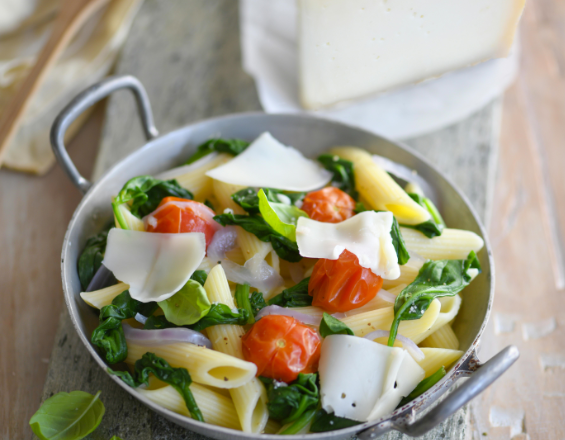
352,48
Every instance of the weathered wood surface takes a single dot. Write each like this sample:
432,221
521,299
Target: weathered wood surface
194,72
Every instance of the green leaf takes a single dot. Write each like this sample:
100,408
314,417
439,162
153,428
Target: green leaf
243,302
248,198
68,416
91,257
430,228
221,314
399,244
209,204
299,424
285,248
144,193
359,207
186,306
230,146
158,322
281,217
178,378
199,276
436,279
257,302
424,386
288,403
295,296
115,437
342,170
333,326
324,422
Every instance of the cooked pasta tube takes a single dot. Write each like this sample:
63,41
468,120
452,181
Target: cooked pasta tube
206,265
103,297
379,189
250,400
438,357
223,192
449,308
209,367
133,223
452,244
236,255
381,319
250,245
443,337
272,427
216,409
408,273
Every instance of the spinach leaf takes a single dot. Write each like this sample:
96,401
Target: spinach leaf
199,276
359,207
333,326
144,193
295,296
248,198
329,422
243,302
423,386
221,314
91,257
280,216
188,305
299,424
398,243
209,204
432,227
178,378
157,322
436,279
230,146
342,170
257,302
285,248
288,403
109,335
68,416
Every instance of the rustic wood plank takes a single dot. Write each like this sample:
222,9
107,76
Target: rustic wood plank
209,57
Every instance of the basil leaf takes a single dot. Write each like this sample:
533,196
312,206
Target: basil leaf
333,326
281,217
221,314
248,198
436,279
324,422
342,170
430,228
288,403
186,306
295,296
68,416
230,146
424,386
285,248
242,301
91,257
144,193
257,302
199,276
178,378
158,322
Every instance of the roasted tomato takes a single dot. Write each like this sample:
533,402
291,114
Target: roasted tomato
282,347
342,285
174,215
329,205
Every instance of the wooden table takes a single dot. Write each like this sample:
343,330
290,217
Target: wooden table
527,227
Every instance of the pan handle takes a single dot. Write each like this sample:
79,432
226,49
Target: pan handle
485,375
86,99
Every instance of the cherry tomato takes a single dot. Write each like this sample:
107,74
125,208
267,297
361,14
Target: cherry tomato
329,205
282,347
175,215
342,285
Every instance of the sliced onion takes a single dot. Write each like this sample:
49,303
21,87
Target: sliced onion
140,318
277,310
386,296
224,240
255,272
165,336
339,315
407,343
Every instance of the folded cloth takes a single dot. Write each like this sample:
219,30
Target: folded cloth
24,29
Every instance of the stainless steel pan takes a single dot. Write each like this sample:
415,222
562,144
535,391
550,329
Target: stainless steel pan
312,136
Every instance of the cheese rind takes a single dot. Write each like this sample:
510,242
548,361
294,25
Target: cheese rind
352,48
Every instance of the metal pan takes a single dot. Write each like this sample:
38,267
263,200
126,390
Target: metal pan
312,136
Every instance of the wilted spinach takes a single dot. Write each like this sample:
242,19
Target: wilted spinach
432,227
243,302
333,326
342,170
230,146
295,296
423,386
257,301
91,257
248,198
329,422
221,314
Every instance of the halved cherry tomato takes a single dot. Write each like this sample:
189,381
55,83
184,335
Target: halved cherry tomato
342,285
175,215
329,205
282,347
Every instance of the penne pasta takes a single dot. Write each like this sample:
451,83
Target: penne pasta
438,357
223,192
379,189
250,400
449,308
103,297
408,274
236,255
216,408
250,245
452,244
443,337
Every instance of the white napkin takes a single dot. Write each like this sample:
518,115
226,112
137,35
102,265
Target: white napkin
269,50
24,28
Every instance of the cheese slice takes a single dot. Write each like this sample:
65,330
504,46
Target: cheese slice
367,235
268,163
352,48
155,266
